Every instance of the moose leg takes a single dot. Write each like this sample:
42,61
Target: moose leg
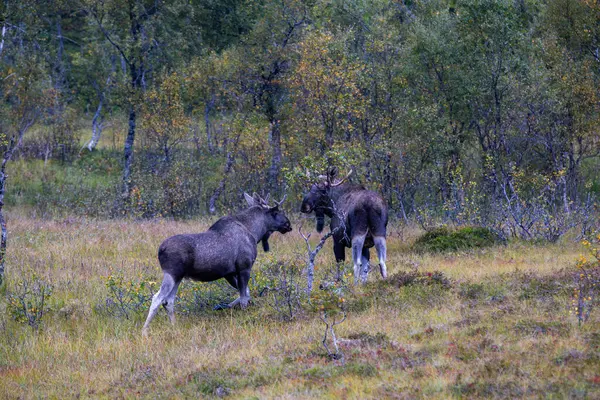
357,246
232,279
339,250
365,256
243,288
170,303
380,245
159,298
242,280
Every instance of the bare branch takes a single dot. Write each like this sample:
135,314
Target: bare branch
107,35
329,328
312,254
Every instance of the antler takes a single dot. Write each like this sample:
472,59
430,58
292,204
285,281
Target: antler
281,201
343,180
331,173
262,202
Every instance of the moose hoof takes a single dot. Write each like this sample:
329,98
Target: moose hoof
244,303
383,271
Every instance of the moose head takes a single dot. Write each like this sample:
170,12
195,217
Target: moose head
318,198
274,218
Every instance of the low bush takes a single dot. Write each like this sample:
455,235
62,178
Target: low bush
444,239
587,281
126,297
482,291
282,283
403,278
28,301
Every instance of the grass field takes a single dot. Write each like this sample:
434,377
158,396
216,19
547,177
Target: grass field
498,328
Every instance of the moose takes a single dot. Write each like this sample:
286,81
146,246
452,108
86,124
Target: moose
226,250
359,218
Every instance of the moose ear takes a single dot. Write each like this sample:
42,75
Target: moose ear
249,199
332,173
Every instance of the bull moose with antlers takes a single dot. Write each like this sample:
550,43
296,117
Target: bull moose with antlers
362,214
227,250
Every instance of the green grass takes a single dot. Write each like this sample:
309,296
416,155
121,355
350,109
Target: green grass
52,188
89,183
488,323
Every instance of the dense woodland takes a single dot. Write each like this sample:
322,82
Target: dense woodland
465,112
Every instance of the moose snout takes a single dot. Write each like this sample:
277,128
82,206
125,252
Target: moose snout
286,228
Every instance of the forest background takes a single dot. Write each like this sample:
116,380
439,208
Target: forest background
468,112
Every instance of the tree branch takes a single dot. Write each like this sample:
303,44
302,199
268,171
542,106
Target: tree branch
107,35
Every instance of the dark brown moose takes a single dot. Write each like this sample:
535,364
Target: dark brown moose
362,213
226,250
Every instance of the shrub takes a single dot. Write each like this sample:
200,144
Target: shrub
126,296
330,302
484,291
587,281
282,283
29,301
445,239
414,277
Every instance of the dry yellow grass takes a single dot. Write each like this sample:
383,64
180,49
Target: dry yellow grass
494,333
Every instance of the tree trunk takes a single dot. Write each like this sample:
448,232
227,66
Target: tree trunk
329,134
207,109
2,40
59,67
275,169
96,127
213,199
573,172
128,155
11,147
97,123
4,233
